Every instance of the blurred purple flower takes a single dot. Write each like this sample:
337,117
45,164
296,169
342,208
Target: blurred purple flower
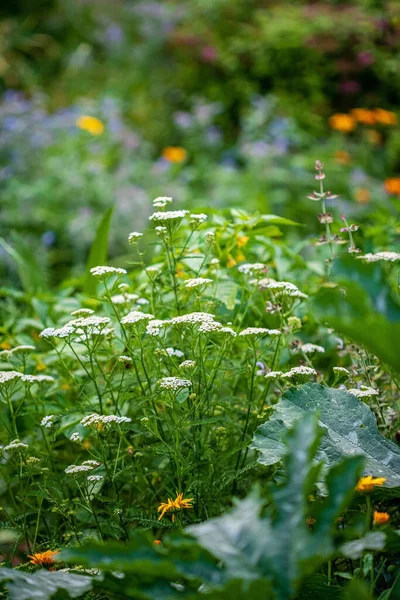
350,86
365,58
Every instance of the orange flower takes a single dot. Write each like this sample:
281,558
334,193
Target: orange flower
362,115
174,154
342,157
385,117
362,195
157,542
342,122
90,124
392,186
367,484
43,559
172,505
380,518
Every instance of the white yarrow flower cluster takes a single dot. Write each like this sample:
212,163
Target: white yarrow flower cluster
37,378
95,478
341,371
134,236
197,219
385,256
96,419
102,271
174,352
126,360
283,288
173,383
299,374
259,331
75,437
250,269
162,201
47,421
188,364
82,312
136,316
8,376
77,469
273,375
154,327
191,318
168,215
124,298
15,445
312,348
197,282
363,392
25,349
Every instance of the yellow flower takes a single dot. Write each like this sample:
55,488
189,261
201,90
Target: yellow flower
342,157
231,262
362,115
380,518
5,346
90,124
367,484
385,117
172,505
174,154
40,366
392,186
43,559
242,240
342,122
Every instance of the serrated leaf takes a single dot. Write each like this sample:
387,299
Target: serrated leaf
98,252
349,426
43,584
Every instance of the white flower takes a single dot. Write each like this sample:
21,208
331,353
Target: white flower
210,326
283,288
134,237
7,376
187,364
162,201
197,219
95,419
168,215
142,301
124,298
273,375
300,374
76,469
91,321
92,463
62,332
191,318
37,378
15,445
82,312
94,478
124,359
22,349
197,282
173,383
160,230
47,421
102,271
385,256
155,325
214,263
341,371
228,331
311,348
364,392
210,237
75,437
174,352
259,331
135,316
250,269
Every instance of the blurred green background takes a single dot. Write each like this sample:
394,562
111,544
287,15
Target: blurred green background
219,103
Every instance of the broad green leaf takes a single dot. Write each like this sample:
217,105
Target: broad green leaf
349,426
31,272
43,584
276,220
356,590
373,540
226,293
283,549
98,252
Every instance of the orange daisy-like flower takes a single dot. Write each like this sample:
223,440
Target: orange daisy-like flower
342,122
172,505
174,154
392,186
385,117
363,115
90,124
380,518
157,542
43,559
367,484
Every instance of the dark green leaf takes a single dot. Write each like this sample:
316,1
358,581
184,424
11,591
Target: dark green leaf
98,252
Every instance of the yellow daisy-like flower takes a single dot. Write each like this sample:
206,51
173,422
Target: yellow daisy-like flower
90,124
380,518
367,484
385,117
172,505
174,154
43,559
